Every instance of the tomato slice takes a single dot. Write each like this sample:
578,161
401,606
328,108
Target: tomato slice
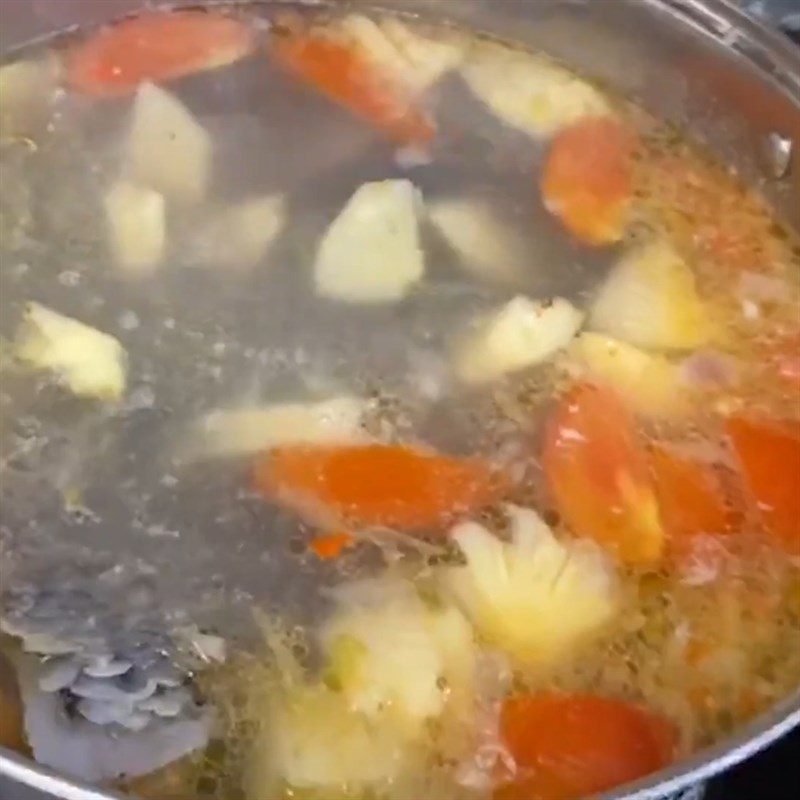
587,179
155,46
769,456
331,545
346,77
691,495
599,477
377,485
573,745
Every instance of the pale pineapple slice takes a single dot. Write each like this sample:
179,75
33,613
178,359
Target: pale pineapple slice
522,333
253,429
89,363
650,383
313,740
371,253
167,148
487,248
137,228
529,92
402,672
415,60
26,94
650,300
535,597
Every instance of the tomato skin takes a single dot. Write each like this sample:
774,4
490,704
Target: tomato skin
769,457
155,46
330,546
598,475
377,485
691,495
587,179
347,78
569,746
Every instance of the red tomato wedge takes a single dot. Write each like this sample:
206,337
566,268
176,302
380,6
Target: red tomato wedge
569,746
691,495
769,456
599,477
346,77
587,179
377,485
155,46
331,545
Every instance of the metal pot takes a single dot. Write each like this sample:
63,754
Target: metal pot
700,63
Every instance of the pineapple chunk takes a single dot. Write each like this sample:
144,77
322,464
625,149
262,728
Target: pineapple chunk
167,148
252,429
522,333
89,363
136,218
487,249
529,92
650,300
401,671
312,739
415,60
26,93
651,384
534,597
238,235
249,228
371,253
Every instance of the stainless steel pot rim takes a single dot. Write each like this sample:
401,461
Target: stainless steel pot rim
779,61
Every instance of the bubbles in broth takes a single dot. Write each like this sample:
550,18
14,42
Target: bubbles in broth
378,398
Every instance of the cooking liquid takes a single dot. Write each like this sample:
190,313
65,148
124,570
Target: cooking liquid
80,480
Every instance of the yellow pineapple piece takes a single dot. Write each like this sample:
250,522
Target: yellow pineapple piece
534,597
650,383
650,300
89,363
